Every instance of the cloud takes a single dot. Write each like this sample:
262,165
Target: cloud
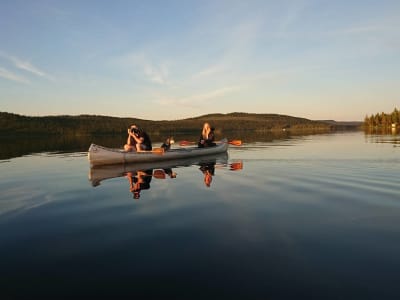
4,73
362,29
157,74
198,99
212,70
25,66
139,62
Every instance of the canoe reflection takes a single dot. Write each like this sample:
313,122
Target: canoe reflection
140,176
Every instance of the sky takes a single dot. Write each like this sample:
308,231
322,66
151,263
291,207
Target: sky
167,60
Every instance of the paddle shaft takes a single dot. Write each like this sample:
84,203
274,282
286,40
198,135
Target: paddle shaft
233,142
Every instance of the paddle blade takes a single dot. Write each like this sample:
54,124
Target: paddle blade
158,150
235,142
235,166
159,174
186,143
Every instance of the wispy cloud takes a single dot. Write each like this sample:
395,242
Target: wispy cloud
4,73
157,74
197,99
362,29
291,15
209,71
26,66
139,62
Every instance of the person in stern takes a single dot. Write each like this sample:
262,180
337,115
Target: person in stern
207,136
138,140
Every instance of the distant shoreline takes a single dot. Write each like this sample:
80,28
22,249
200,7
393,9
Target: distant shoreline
233,122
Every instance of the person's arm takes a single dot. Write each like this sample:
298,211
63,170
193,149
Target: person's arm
201,140
210,137
138,139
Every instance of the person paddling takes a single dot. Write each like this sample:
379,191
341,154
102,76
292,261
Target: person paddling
138,140
207,136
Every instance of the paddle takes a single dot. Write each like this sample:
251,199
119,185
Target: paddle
158,150
233,142
155,150
235,166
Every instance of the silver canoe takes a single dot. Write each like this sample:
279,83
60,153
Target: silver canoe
99,155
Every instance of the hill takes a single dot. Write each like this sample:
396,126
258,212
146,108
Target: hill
11,124
343,125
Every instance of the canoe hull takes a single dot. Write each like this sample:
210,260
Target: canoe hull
99,155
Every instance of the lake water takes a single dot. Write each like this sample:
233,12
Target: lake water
314,216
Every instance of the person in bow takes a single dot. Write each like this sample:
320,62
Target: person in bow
138,140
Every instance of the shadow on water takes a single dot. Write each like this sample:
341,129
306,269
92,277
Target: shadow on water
139,176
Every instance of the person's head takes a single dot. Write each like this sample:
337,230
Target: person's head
135,129
206,130
136,191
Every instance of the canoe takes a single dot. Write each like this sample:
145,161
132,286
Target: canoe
99,155
103,172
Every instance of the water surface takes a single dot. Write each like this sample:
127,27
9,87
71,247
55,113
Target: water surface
313,216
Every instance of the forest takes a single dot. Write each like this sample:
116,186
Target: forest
384,120
14,124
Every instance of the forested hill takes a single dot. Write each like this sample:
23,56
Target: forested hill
92,124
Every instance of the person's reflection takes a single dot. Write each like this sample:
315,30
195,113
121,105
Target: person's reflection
139,181
208,170
170,173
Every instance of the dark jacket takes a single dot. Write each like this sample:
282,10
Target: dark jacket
208,142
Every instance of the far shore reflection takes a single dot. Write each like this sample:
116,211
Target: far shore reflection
12,147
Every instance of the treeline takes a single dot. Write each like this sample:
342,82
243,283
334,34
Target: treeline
11,124
383,119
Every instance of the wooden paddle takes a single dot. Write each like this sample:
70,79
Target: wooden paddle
235,166
155,150
233,142
158,150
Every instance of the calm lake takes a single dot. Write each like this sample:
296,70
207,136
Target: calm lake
313,216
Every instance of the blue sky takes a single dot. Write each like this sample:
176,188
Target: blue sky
176,59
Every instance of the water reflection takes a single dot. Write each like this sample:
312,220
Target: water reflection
387,136
16,146
208,170
140,176
139,181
